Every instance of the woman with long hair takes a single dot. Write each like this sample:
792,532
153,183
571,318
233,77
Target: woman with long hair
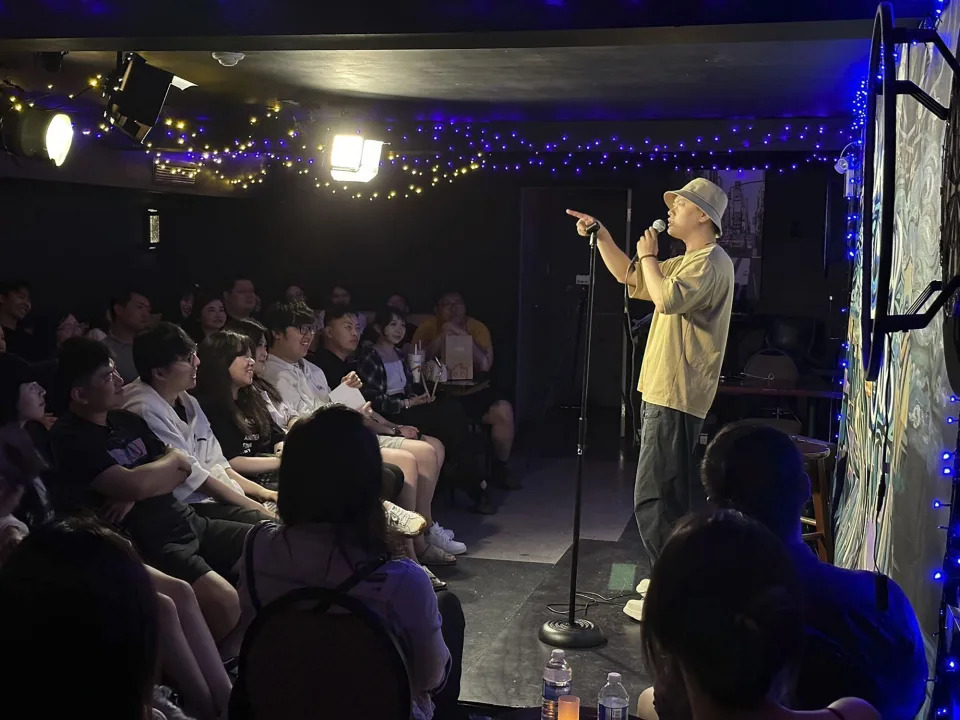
209,316
237,411
257,336
388,385
332,524
723,616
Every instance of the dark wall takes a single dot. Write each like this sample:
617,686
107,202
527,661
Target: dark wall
74,243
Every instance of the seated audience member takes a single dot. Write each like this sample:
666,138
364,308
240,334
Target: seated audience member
399,302
487,405
15,305
209,318
340,297
238,413
257,336
67,326
336,516
409,524
295,293
22,401
724,620
109,462
166,360
189,656
856,645
389,386
129,315
79,594
340,338
184,307
239,300
303,389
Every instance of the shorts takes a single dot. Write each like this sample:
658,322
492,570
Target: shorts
390,442
476,404
177,541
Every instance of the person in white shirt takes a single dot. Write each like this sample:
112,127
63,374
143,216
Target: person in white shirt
166,360
303,389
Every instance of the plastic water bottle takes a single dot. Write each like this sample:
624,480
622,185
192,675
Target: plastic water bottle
557,679
613,703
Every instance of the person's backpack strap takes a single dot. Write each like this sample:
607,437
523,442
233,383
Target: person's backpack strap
362,573
248,565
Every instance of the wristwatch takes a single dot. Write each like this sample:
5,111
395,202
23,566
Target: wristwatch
396,431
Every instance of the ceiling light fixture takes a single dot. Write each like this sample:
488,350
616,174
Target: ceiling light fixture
34,133
228,59
354,158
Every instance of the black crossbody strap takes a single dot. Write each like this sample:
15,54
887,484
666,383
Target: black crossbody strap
362,573
248,565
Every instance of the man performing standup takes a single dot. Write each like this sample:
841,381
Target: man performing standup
693,296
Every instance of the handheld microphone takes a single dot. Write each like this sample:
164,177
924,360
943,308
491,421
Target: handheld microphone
658,225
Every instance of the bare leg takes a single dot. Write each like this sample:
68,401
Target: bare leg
645,708
429,456
220,606
408,464
179,664
406,461
197,635
500,419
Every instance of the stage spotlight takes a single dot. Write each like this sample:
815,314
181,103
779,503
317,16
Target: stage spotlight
354,159
35,133
137,96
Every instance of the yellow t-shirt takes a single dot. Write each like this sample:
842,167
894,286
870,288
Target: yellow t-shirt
681,365
427,332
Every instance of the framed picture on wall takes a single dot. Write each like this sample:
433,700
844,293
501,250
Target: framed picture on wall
742,226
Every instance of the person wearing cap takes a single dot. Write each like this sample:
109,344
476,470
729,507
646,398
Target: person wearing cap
693,298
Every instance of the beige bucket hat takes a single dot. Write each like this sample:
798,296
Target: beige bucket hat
705,195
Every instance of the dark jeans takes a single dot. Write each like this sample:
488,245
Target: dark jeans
452,628
220,511
668,474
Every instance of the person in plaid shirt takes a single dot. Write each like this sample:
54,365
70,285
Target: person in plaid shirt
388,385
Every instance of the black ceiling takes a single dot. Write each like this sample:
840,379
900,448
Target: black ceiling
185,19
482,60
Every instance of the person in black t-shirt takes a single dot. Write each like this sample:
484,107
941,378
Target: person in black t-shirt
236,410
339,339
113,465
15,304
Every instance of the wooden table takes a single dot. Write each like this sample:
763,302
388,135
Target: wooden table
806,391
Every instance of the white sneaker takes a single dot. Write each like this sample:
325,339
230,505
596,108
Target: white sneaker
436,538
405,522
634,610
446,532
643,587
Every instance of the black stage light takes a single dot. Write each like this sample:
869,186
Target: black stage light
137,97
35,133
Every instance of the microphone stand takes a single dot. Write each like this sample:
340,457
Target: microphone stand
571,632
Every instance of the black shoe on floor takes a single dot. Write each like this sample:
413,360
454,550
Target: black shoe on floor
482,502
501,477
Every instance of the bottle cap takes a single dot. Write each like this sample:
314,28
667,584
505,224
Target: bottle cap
556,654
613,678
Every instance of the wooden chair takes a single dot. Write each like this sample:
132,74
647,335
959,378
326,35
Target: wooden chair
817,458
